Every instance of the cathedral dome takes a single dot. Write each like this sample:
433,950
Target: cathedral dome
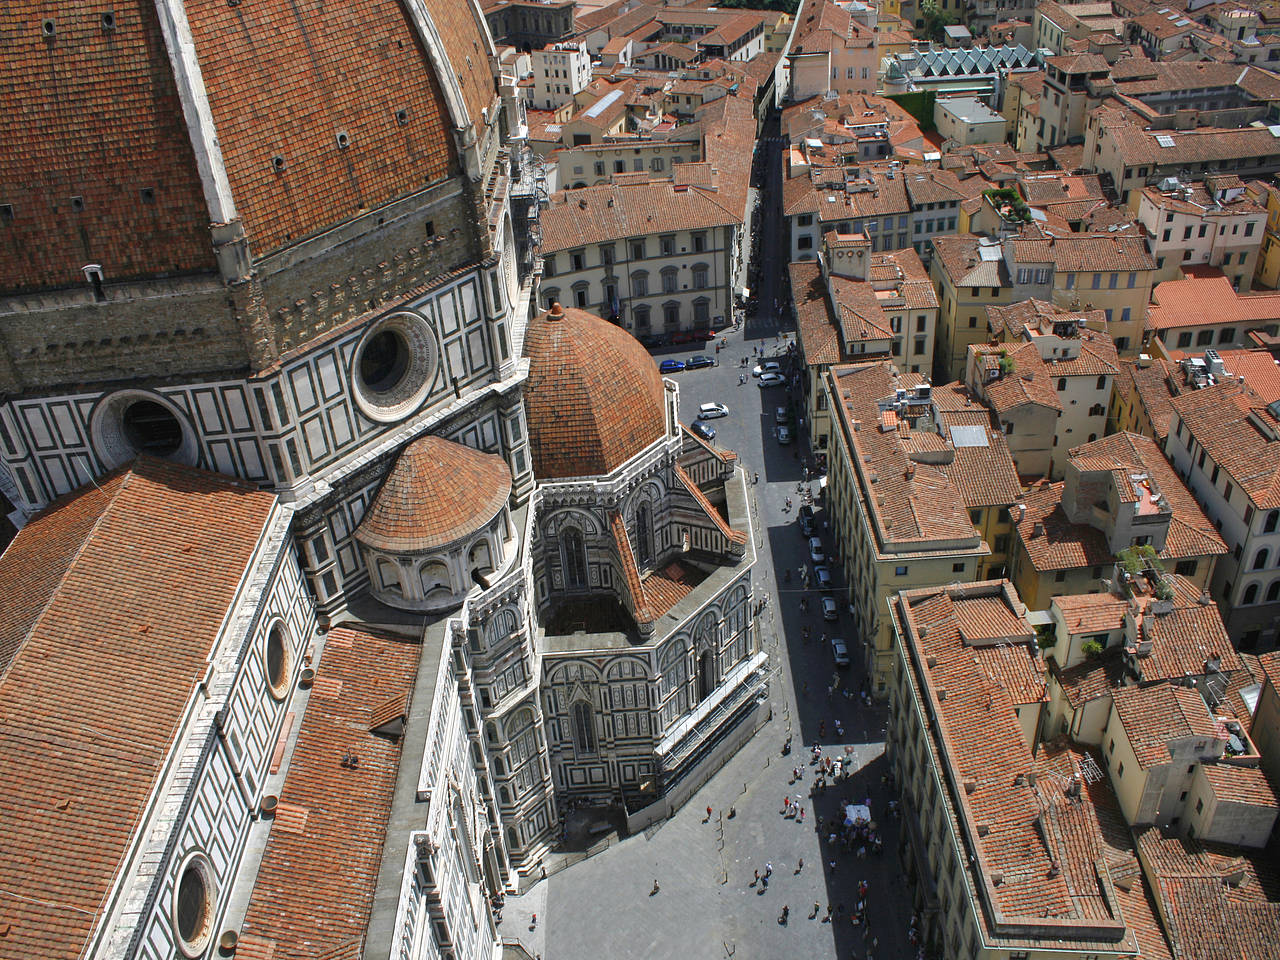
594,398
437,493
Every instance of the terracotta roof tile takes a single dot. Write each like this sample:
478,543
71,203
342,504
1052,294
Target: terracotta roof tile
1091,612
1220,418
1219,902
130,582
1153,716
594,398
314,889
734,536
1090,679
329,70
1208,297
1240,784
437,492
68,99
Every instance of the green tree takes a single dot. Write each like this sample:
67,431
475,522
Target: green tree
934,20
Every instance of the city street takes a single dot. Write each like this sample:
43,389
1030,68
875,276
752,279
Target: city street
707,903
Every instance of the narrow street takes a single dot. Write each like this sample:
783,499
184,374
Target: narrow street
707,904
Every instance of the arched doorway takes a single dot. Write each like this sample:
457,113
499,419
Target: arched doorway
706,674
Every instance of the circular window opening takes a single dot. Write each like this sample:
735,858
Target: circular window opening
384,361
193,907
151,428
394,367
277,661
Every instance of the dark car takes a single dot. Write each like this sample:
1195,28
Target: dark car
704,334
705,431
684,336
671,366
701,360
653,340
806,520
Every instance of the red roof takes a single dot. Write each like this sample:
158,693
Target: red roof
315,885
114,599
1204,297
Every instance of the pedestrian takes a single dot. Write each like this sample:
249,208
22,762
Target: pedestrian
802,814
655,887
708,815
786,802
757,879
535,920
815,910
768,869
800,865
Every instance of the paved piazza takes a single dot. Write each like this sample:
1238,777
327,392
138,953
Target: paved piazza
707,905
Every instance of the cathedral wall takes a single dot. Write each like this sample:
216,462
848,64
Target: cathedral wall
299,422
185,328
225,758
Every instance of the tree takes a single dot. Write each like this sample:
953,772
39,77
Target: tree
934,20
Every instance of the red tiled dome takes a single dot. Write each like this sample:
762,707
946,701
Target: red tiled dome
438,491
594,398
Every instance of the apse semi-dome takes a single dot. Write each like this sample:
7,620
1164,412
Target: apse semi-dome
594,398
439,526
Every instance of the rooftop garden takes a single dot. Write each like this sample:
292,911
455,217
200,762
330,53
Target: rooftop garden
1009,204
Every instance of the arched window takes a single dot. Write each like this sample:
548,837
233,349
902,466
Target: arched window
581,290
550,295
1250,594
700,276
671,315
1272,519
584,731
670,280
706,674
1260,559
644,534
389,574
640,283
1273,591
480,559
575,558
702,312
513,838
435,577
641,316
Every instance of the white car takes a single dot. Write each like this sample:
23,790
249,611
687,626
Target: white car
710,411
840,652
830,609
816,553
767,367
771,380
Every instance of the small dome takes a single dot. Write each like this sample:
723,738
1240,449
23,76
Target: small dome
438,492
594,398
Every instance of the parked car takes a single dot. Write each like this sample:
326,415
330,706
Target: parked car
712,411
704,430
768,366
653,340
806,520
771,380
684,336
780,415
823,576
830,609
701,360
704,335
816,553
840,652
671,366
784,435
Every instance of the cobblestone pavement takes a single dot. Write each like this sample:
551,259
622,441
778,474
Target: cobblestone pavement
706,904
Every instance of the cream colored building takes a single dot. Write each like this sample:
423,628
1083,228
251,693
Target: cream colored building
897,510
1212,223
1118,492
1003,830
852,304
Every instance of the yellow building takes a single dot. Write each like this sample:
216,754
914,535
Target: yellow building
1067,537
895,498
1267,272
969,275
